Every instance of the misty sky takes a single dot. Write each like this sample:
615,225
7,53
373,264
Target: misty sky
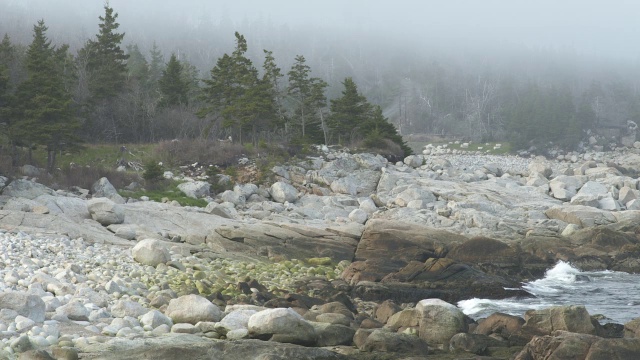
607,29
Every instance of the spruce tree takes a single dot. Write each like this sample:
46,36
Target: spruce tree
42,108
156,66
307,95
272,76
106,60
236,94
137,66
173,86
348,112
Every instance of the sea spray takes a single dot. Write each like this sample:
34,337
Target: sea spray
609,293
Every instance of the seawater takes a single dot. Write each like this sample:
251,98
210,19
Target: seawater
615,295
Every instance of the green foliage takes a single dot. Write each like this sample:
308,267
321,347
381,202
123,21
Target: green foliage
106,59
307,95
353,116
42,112
236,94
543,115
172,84
153,172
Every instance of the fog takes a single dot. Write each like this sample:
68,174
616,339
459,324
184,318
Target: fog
591,28
425,62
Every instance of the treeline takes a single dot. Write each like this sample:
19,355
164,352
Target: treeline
52,98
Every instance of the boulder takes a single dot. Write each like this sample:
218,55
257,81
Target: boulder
405,197
569,345
282,192
236,198
195,189
122,308
103,188
386,341
155,318
26,189
235,320
573,318
150,252
192,309
105,211
333,334
541,167
282,325
626,194
414,161
439,321
504,325
473,343
30,306
359,216
74,310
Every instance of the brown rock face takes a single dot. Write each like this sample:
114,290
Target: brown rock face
406,263
567,345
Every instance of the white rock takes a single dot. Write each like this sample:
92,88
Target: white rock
281,192
192,309
105,211
238,319
439,321
155,318
285,325
195,189
150,252
103,188
30,306
122,308
358,216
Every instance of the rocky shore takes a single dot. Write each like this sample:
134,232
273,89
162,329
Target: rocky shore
343,256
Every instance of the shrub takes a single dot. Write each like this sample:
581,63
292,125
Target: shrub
153,172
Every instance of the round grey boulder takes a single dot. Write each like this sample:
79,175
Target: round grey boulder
281,192
150,252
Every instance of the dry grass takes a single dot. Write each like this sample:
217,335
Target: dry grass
208,152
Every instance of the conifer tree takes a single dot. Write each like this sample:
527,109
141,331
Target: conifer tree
137,66
272,76
173,86
106,59
348,112
156,66
307,95
236,94
42,109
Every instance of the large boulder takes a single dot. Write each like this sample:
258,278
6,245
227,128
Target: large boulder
282,325
30,306
105,211
103,188
150,252
439,322
26,189
573,318
192,309
195,189
569,345
333,334
235,320
122,308
282,192
386,341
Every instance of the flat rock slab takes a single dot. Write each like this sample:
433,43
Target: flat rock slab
185,346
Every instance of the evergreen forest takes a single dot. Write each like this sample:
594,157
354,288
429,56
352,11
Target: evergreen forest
254,82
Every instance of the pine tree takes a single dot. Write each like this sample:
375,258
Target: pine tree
236,94
272,76
307,95
42,106
156,66
348,112
106,59
137,66
172,84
